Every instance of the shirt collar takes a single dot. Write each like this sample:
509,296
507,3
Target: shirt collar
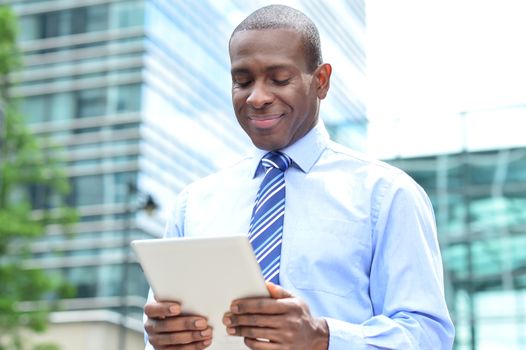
304,152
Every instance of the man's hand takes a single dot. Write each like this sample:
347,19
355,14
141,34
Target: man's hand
167,328
283,320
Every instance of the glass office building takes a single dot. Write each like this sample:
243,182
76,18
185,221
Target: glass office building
135,96
479,196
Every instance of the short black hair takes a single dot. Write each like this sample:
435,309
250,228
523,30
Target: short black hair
281,16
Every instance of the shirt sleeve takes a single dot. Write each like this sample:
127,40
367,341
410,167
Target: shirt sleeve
406,280
148,346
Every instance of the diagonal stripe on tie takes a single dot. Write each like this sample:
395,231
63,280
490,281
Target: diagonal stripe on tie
269,194
266,225
275,236
270,187
269,215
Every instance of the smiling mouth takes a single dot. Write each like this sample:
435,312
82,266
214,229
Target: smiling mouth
265,122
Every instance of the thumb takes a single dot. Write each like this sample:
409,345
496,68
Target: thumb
277,292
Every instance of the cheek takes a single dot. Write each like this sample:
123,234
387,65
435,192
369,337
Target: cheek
238,107
238,101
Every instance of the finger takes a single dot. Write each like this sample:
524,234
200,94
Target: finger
267,306
175,324
258,344
254,320
195,346
202,344
180,338
277,292
192,346
273,335
162,309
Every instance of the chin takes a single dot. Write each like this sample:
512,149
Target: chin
269,146
269,142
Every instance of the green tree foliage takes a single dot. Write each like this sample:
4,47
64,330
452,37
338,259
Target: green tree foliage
26,292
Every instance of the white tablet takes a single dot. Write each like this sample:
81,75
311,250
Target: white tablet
204,273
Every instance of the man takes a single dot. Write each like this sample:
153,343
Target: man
358,265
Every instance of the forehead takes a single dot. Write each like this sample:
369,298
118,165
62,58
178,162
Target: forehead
268,47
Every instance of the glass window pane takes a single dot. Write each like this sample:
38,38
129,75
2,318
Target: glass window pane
78,22
517,167
62,106
88,190
29,28
34,108
127,14
96,18
128,98
91,103
121,182
83,279
109,280
64,23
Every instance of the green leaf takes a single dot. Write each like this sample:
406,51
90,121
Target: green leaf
27,295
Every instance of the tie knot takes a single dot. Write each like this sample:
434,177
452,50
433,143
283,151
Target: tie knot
276,160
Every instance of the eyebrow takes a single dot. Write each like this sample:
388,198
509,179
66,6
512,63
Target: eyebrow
235,71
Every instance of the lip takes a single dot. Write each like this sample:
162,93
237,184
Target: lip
266,121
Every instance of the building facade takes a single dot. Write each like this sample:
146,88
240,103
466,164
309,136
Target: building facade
134,95
479,195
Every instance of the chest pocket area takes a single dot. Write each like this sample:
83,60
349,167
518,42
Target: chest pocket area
330,256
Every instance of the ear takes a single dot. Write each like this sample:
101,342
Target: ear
323,77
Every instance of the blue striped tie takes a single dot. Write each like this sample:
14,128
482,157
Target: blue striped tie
266,225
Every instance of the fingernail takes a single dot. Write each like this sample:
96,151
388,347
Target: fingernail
228,321
200,323
207,342
231,331
174,309
207,332
234,308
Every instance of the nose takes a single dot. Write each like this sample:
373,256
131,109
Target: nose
259,96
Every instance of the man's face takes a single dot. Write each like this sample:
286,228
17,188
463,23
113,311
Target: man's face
275,98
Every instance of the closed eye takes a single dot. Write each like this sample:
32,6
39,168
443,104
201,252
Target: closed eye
241,84
281,82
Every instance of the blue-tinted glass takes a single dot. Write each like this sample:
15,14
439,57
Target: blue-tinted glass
88,190
128,98
90,103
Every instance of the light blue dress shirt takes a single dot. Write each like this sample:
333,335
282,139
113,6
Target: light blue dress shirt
359,243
